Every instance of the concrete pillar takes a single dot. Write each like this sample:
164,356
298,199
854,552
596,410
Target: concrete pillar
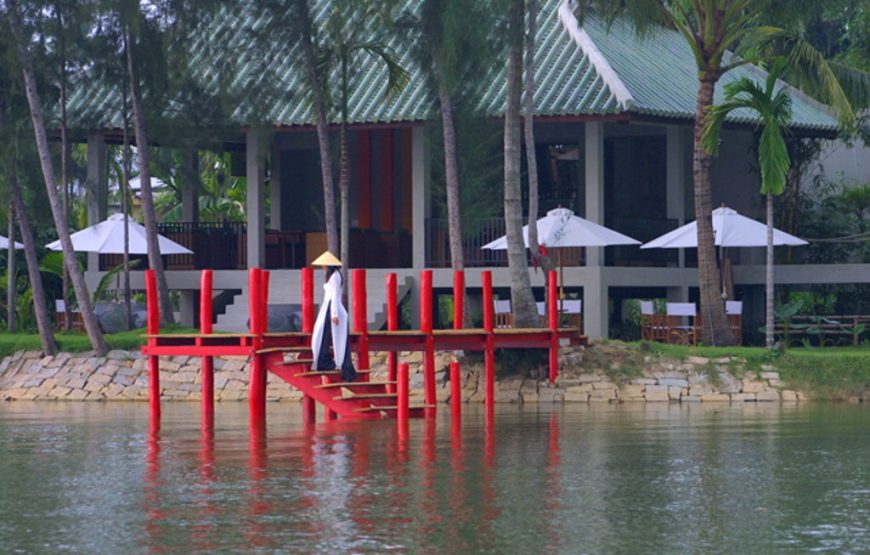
187,303
594,153
677,165
254,203
96,188
420,196
190,186
595,305
275,193
679,294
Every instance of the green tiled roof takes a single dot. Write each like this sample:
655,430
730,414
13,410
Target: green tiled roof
654,76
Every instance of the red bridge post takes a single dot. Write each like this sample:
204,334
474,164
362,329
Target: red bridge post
257,388
360,319
205,327
553,318
426,328
392,325
403,411
309,410
489,353
458,299
153,328
455,396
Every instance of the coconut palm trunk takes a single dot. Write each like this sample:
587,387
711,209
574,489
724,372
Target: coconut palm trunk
715,329
529,132
155,260
10,273
451,185
344,166
525,314
768,279
64,155
318,101
90,321
43,322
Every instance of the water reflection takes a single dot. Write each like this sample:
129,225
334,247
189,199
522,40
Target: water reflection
644,478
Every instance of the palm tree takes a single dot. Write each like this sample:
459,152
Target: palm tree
772,104
317,91
525,314
15,22
343,28
724,35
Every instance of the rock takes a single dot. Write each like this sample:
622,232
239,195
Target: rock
715,398
657,394
690,399
585,388
644,381
738,397
675,382
550,395
588,378
698,360
676,393
117,354
604,385
530,397
602,395
576,397
700,390
59,392
770,375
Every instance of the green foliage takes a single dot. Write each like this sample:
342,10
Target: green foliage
76,342
101,293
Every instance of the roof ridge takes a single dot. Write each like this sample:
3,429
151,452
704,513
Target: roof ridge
596,58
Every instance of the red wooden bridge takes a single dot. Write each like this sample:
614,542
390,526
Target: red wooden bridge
289,356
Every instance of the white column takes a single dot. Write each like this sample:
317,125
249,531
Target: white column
420,197
594,183
595,305
256,216
190,186
97,188
188,316
276,213
676,180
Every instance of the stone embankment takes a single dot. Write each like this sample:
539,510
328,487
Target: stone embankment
600,374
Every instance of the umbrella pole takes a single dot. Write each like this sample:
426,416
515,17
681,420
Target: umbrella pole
561,282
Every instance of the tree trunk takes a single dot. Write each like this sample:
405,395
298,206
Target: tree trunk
715,330
93,329
525,314
43,322
344,194
529,129
155,261
319,103
451,173
768,279
11,282
64,158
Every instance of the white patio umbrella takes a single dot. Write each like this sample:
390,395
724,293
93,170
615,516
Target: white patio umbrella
107,237
562,228
136,184
4,243
730,229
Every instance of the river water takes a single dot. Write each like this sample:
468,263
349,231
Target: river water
655,478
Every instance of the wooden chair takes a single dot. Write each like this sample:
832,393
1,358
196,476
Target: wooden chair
503,316
60,316
653,327
681,320
734,313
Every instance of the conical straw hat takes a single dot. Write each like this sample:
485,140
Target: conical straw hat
326,259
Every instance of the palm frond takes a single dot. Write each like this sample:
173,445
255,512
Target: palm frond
773,158
397,76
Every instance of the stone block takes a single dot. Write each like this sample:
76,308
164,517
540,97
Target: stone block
675,393
775,383
674,382
698,360
767,395
743,397
644,381
102,379
59,392
657,396
114,391
123,380
604,385
588,378
576,397
74,383
789,395
752,386
716,398
530,397
549,395
770,375
585,388
602,395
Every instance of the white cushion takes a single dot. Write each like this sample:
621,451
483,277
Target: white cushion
681,309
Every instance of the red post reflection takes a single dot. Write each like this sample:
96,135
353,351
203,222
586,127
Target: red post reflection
154,515
257,473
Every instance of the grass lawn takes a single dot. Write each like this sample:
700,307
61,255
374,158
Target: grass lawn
829,372
76,342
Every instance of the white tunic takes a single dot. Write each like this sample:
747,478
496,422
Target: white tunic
332,290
